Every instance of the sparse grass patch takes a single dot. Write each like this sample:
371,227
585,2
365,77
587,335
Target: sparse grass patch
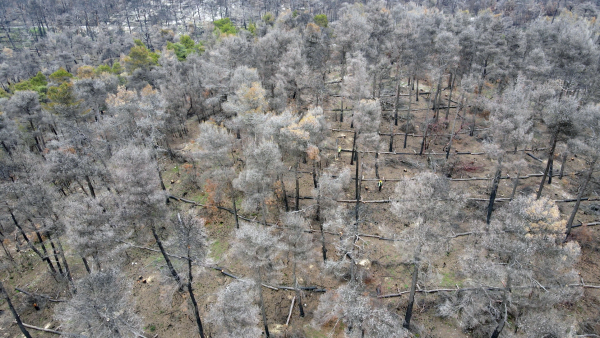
449,280
310,332
217,249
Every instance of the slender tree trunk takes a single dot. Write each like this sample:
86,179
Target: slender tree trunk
500,325
315,174
297,290
353,149
472,131
413,288
87,266
264,212
357,191
407,117
285,199
452,131
579,196
64,259
91,187
39,237
14,312
192,298
436,106
397,103
499,328
235,213
10,257
377,165
515,185
424,140
55,254
555,11
417,92
37,252
550,156
323,249
551,170
450,95
166,257
374,84
297,206
342,112
562,164
495,183
262,303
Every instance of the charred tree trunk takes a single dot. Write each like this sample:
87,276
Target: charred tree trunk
55,254
37,252
377,165
515,185
235,212
550,156
297,290
437,98
8,255
192,298
353,149
264,212
64,259
407,119
87,266
397,103
285,199
91,187
551,170
166,257
579,196
323,249
262,304
450,95
495,183
417,92
453,126
413,288
562,164
41,240
14,312
297,206
315,174
357,191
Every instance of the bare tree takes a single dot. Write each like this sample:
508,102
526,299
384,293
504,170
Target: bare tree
329,189
520,265
589,145
102,307
299,245
218,159
235,313
263,166
92,230
510,126
259,247
360,314
562,121
428,204
191,241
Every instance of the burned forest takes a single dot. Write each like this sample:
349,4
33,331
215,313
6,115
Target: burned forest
291,168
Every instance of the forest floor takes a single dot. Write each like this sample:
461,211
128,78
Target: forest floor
166,312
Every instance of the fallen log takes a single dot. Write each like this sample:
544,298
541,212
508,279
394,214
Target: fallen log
41,296
42,329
